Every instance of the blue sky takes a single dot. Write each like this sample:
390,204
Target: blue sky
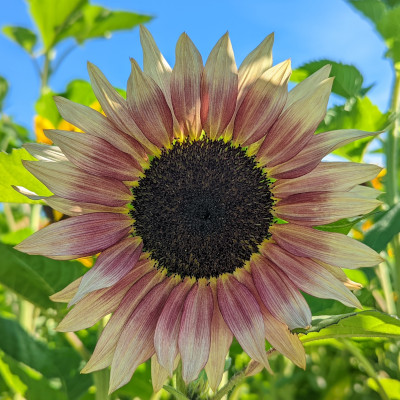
304,31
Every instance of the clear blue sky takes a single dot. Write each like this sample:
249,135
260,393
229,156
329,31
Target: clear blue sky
304,31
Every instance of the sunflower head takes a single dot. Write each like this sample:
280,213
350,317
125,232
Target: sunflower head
201,192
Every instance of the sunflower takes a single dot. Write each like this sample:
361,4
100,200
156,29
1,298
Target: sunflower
201,192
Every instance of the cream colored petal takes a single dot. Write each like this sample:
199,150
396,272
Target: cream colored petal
44,152
306,86
158,374
327,176
338,273
185,87
262,105
149,108
66,294
318,147
295,126
219,89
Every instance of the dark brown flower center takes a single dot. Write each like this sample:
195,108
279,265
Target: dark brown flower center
202,208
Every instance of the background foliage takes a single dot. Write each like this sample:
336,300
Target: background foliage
350,355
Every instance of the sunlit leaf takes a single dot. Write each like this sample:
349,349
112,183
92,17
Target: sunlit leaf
342,226
391,387
389,27
53,18
96,21
23,36
348,79
372,9
80,91
359,114
46,107
35,278
12,172
11,380
353,325
383,230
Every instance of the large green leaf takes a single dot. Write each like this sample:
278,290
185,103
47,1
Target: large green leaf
96,21
342,226
12,172
353,325
12,135
383,230
391,387
358,114
62,362
53,18
389,27
348,79
3,90
23,36
372,9
35,278
46,107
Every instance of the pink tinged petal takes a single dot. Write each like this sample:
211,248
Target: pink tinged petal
74,208
96,124
320,208
185,87
219,88
28,193
136,343
276,332
44,152
168,325
327,176
195,330
279,294
253,368
221,339
149,108
338,273
79,236
158,374
306,86
318,147
67,181
111,266
295,126
116,108
242,314
95,155
262,105
254,65
330,247
105,347
66,294
309,276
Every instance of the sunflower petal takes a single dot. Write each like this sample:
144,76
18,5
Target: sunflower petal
168,325
104,351
76,237
327,176
136,343
219,88
262,104
279,294
310,276
185,87
66,294
44,152
318,147
111,266
308,242
242,314
158,374
195,330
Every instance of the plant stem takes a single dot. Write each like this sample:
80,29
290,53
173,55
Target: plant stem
230,385
45,73
367,366
392,161
384,275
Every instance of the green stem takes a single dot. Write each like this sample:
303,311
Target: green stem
367,366
46,72
179,382
384,275
230,385
101,378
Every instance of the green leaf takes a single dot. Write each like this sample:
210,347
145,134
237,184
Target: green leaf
177,395
389,27
46,107
23,36
80,91
53,18
61,362
390,386
348,79
3,90
96,21
358,114
362,324
35,278
372,9
383,230
12,172
342,226
12,135
11,380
